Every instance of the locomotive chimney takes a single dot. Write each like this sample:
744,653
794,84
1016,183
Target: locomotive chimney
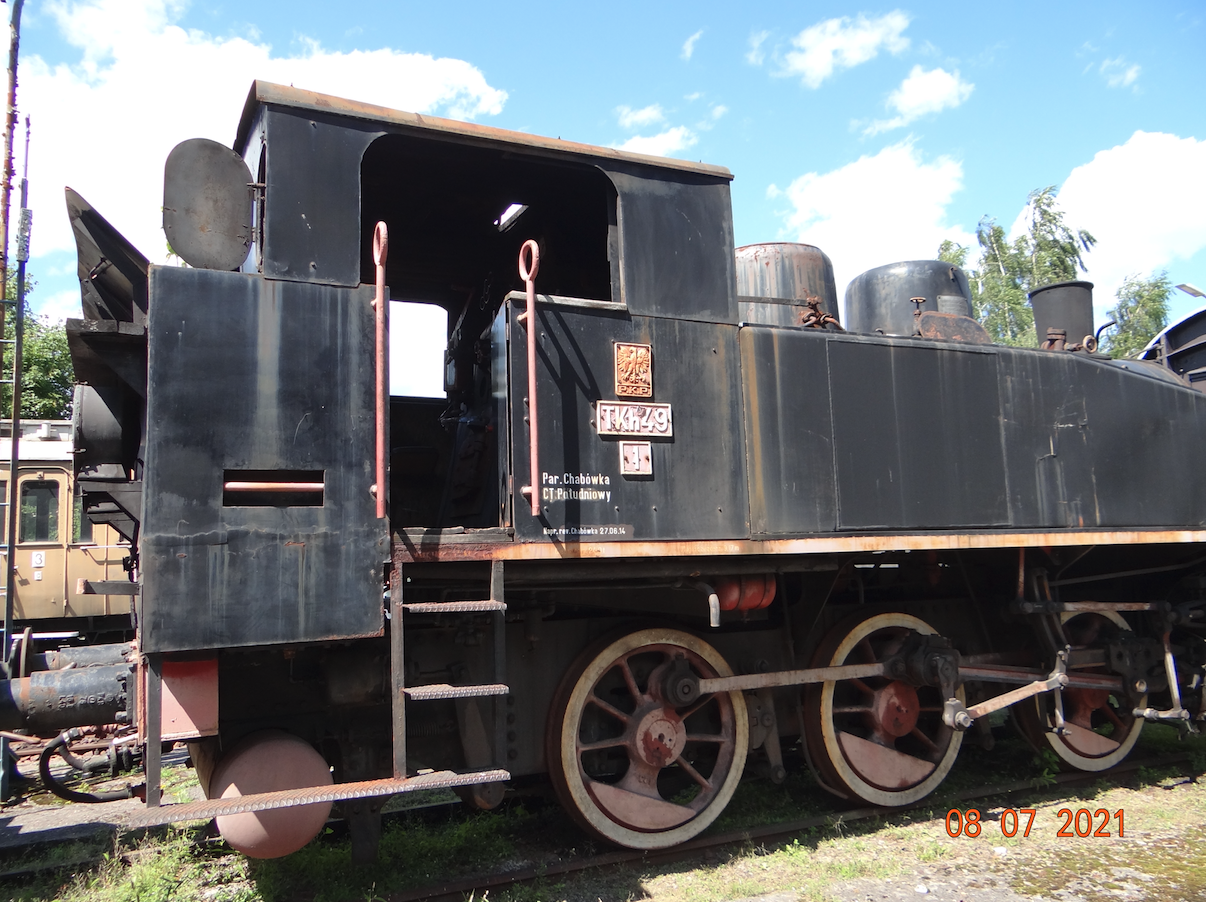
1064,307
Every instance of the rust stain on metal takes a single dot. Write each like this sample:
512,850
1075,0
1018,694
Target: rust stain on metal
339,792
433,550
267,93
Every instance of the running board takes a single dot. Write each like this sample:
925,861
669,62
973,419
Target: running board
454,607
339,792
433,691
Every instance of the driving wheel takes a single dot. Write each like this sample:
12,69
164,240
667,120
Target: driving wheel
877,739
1099,728
637,758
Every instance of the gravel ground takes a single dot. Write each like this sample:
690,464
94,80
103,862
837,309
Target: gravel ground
1161,855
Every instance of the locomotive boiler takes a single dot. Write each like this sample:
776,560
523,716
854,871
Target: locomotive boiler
665,517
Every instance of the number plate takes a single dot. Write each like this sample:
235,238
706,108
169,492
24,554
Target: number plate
628,418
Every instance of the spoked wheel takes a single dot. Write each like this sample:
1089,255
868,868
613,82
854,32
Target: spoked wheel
877,739
1099,729
630,765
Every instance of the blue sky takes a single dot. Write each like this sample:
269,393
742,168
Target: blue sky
871,131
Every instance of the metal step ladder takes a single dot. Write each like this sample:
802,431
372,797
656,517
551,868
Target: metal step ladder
496,605
156,814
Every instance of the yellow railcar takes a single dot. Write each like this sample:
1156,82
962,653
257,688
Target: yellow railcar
61,558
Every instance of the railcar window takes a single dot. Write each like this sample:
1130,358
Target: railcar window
39,511
418,335
3,510
81,526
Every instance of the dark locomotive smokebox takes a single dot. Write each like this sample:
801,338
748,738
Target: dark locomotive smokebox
1064,305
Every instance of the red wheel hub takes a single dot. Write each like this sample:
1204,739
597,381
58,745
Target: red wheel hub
894,711
659,736
1080,705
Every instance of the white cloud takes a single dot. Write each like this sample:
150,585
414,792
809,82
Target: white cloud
843,43
689,44
633,119
1145,203
756,54
1118,74
920,94
719,110
58,306
877,210
666,144
128,52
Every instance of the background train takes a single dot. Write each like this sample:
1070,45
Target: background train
667,516
64,560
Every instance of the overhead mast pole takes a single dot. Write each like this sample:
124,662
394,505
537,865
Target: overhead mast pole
10,126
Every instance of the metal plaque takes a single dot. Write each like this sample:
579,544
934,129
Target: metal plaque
634,370
629,418
636,458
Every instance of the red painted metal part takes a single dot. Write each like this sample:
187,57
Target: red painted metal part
189,699
527,272
266,801
272,486
746,593
380,252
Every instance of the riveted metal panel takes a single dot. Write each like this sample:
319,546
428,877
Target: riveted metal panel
697,489
253,374
918,436
676,244
312,197
1097,443
788,431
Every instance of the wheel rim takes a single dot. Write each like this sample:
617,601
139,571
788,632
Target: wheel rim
632,767
879,740
1100,730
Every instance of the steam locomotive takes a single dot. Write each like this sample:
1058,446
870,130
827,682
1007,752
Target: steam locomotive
667,516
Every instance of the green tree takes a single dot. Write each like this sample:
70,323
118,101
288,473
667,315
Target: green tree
1141,312
1048,251
47,376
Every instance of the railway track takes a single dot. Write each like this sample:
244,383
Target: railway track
454,891
461,889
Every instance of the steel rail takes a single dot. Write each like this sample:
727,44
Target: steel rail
457,891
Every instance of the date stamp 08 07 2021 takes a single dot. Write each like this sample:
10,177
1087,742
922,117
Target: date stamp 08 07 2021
1081,822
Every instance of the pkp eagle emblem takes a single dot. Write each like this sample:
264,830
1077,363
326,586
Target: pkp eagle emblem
634,370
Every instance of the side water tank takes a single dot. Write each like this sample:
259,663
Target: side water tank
880,300
775,281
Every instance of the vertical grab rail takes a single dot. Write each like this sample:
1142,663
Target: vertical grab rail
528,319
380,252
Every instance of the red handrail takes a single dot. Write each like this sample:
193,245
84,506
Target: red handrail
380,251
528,318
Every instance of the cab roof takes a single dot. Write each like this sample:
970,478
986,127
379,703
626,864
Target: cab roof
265,93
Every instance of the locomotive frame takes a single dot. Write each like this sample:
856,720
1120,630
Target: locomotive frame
657,525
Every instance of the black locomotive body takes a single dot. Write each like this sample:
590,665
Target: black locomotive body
708,524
